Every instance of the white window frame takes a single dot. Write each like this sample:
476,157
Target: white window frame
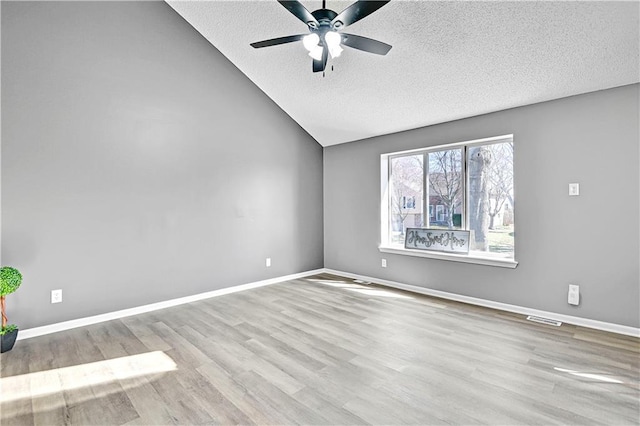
480,258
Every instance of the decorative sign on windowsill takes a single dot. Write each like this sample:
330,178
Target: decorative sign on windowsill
446,240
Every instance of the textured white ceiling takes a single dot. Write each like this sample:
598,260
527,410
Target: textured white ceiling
449,60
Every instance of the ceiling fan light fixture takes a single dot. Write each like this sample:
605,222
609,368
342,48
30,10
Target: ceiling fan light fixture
335,51
316,53
333,40
311,41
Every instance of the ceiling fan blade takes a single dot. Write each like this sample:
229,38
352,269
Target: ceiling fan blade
357,11
321,64
299,11
277,41
366,44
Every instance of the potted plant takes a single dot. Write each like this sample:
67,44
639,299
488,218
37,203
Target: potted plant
10,280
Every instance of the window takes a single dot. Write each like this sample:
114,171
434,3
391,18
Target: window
405,182
408,202
465,186
445,184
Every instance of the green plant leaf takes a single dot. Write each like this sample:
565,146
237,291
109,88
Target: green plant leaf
8,329
10,280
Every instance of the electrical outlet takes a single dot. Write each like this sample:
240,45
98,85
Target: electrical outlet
268,262
384,263
574,294
56,296
574,189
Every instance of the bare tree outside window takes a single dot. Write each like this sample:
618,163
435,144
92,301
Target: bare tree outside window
406,184
500,180
480,158
445,181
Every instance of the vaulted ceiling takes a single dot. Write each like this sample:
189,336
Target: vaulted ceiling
449,60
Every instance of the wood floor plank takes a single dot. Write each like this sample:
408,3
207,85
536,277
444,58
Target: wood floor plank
278,401
141,330
329,409
182,407
239,395
149,405
322,350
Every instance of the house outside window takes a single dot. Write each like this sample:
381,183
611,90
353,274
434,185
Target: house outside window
464,186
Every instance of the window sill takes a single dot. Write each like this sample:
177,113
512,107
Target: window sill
465,258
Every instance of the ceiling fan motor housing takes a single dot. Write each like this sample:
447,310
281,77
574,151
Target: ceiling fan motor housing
324,18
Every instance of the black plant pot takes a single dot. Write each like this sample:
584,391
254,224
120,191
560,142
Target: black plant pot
8,340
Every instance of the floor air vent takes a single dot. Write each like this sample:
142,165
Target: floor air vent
542,320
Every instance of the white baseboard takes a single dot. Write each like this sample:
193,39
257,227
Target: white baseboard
583,322
80,322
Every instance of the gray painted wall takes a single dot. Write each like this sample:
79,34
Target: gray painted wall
139,165
590,240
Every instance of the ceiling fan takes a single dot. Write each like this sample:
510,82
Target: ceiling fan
325,25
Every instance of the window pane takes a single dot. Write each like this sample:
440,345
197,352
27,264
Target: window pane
491,203
405,201
445,189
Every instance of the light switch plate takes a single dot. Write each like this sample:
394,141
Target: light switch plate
574,294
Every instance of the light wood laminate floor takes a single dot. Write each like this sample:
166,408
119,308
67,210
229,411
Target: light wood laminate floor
322,350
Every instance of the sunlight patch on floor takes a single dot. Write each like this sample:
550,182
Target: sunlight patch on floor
41,383
591,376
338,284
362,289
380,293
